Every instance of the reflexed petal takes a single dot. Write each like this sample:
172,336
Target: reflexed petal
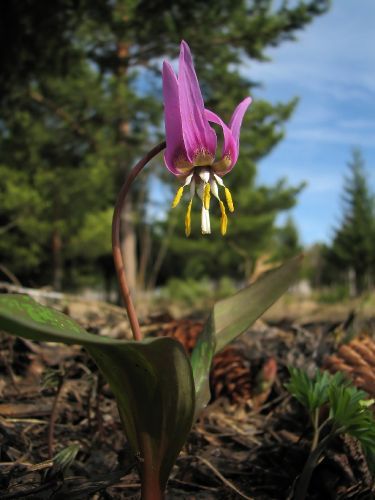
173,127
230,148
229,142
236,120
198,135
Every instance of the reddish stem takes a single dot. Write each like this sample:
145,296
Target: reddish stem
151,490
116,247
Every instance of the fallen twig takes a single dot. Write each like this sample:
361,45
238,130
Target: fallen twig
227,483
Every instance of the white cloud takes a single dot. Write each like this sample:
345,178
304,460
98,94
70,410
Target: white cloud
334,56
357,124
320,178
332,136
332,69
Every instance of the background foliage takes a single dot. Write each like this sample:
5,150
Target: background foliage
80,91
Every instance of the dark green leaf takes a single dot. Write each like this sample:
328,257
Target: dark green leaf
313,392
349,408
65,457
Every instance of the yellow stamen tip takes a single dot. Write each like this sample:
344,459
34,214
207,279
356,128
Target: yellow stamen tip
207,196
178,197
229,199
188,219
223,220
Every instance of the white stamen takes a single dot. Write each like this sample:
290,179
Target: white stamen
204,174
219,180
188,179
192,188
206,226
200,190
214,189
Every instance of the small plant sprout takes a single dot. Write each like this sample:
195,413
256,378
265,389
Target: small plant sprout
160,390
349,413
192,142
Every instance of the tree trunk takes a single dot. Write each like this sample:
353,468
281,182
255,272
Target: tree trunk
145,252
57,260
164,245
352,281
128,234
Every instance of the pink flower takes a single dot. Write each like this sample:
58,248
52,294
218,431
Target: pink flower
192,142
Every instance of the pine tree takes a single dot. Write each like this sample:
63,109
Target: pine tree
79,112
353,245
287,240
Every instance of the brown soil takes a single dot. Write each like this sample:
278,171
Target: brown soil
254,448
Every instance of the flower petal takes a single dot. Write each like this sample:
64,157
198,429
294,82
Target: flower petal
237,117
230,148
229,143
173,126
198,135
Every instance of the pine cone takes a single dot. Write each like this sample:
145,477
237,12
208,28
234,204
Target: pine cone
185,331
357,360
230,376
230,372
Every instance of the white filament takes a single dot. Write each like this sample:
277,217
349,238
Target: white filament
204,174
206,226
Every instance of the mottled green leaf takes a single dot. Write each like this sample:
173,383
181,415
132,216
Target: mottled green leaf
151,380
20,315
232,316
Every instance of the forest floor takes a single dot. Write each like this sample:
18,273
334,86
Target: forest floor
247,443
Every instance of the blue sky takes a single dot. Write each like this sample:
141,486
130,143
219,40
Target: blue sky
332,69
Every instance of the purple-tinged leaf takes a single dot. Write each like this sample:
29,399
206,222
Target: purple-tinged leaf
233,316
151,380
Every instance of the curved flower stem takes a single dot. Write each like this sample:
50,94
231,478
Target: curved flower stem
116,248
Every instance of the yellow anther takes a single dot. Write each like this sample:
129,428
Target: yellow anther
207,196
178,197
228,197
188,219
224,219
